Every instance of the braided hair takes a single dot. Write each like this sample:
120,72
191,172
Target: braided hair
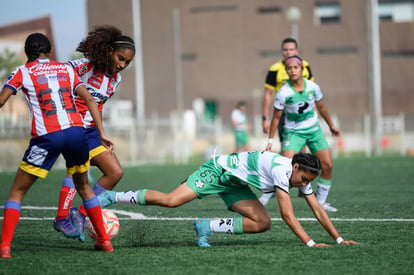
307,162
35,44
99,44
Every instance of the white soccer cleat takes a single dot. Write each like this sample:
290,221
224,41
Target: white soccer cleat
327,206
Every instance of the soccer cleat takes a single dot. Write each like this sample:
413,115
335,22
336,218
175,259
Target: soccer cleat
5,252
202,228
107,198
66,227
327,206
105,246
78,221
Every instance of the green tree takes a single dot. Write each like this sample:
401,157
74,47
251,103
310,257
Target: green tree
8,61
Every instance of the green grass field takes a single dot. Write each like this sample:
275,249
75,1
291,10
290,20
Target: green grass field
374,197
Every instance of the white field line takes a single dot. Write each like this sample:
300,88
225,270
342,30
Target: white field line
127,215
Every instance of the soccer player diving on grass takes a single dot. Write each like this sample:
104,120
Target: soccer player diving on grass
231,176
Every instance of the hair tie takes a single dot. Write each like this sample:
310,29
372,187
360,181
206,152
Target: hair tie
310,168
294,59
124,42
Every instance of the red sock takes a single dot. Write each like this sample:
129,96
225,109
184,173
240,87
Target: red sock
94,212
10,221
66,197
83,210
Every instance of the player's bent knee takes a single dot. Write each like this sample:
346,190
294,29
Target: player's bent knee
263,224
119,174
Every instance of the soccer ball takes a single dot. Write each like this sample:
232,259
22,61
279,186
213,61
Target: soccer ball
111,224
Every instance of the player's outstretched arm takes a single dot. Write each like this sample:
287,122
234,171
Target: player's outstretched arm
325,221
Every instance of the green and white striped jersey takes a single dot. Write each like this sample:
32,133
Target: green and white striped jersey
262,169
299,106
240,118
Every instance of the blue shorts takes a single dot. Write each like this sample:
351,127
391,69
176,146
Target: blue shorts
94,142
43,151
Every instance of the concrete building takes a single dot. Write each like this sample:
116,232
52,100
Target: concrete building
227,47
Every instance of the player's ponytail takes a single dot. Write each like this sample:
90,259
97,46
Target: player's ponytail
36,43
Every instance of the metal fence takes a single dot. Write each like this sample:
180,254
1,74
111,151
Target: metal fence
179,138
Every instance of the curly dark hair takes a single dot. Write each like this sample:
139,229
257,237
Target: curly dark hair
35,44
307,162
100,42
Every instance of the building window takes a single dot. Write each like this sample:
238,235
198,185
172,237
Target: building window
269,10
214,9
398,54
396,10
337,51
189,57
327,13
270,53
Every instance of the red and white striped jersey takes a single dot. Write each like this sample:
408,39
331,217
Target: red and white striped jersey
99,84
49,90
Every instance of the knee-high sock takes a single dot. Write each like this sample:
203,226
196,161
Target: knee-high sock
324,185
131,197
227,225
97,189
66,197
94,212
10,221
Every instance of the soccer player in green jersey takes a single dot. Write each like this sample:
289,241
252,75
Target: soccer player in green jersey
298,98
231,177
241,127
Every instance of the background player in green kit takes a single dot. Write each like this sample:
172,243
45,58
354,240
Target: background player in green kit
297,99
241,127
230,176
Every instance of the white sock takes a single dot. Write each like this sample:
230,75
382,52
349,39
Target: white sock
264,199
222,225
322,192
127,197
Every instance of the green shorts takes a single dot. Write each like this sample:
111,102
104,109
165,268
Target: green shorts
211,178
242,138
295,140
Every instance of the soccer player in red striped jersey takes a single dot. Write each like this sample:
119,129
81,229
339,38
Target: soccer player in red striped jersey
57,128
106,52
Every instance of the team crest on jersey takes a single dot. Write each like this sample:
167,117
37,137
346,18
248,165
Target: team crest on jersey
83,69
310,95
41,79
112,85
37,155
199,184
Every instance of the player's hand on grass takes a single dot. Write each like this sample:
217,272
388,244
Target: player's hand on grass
321,245
349,242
